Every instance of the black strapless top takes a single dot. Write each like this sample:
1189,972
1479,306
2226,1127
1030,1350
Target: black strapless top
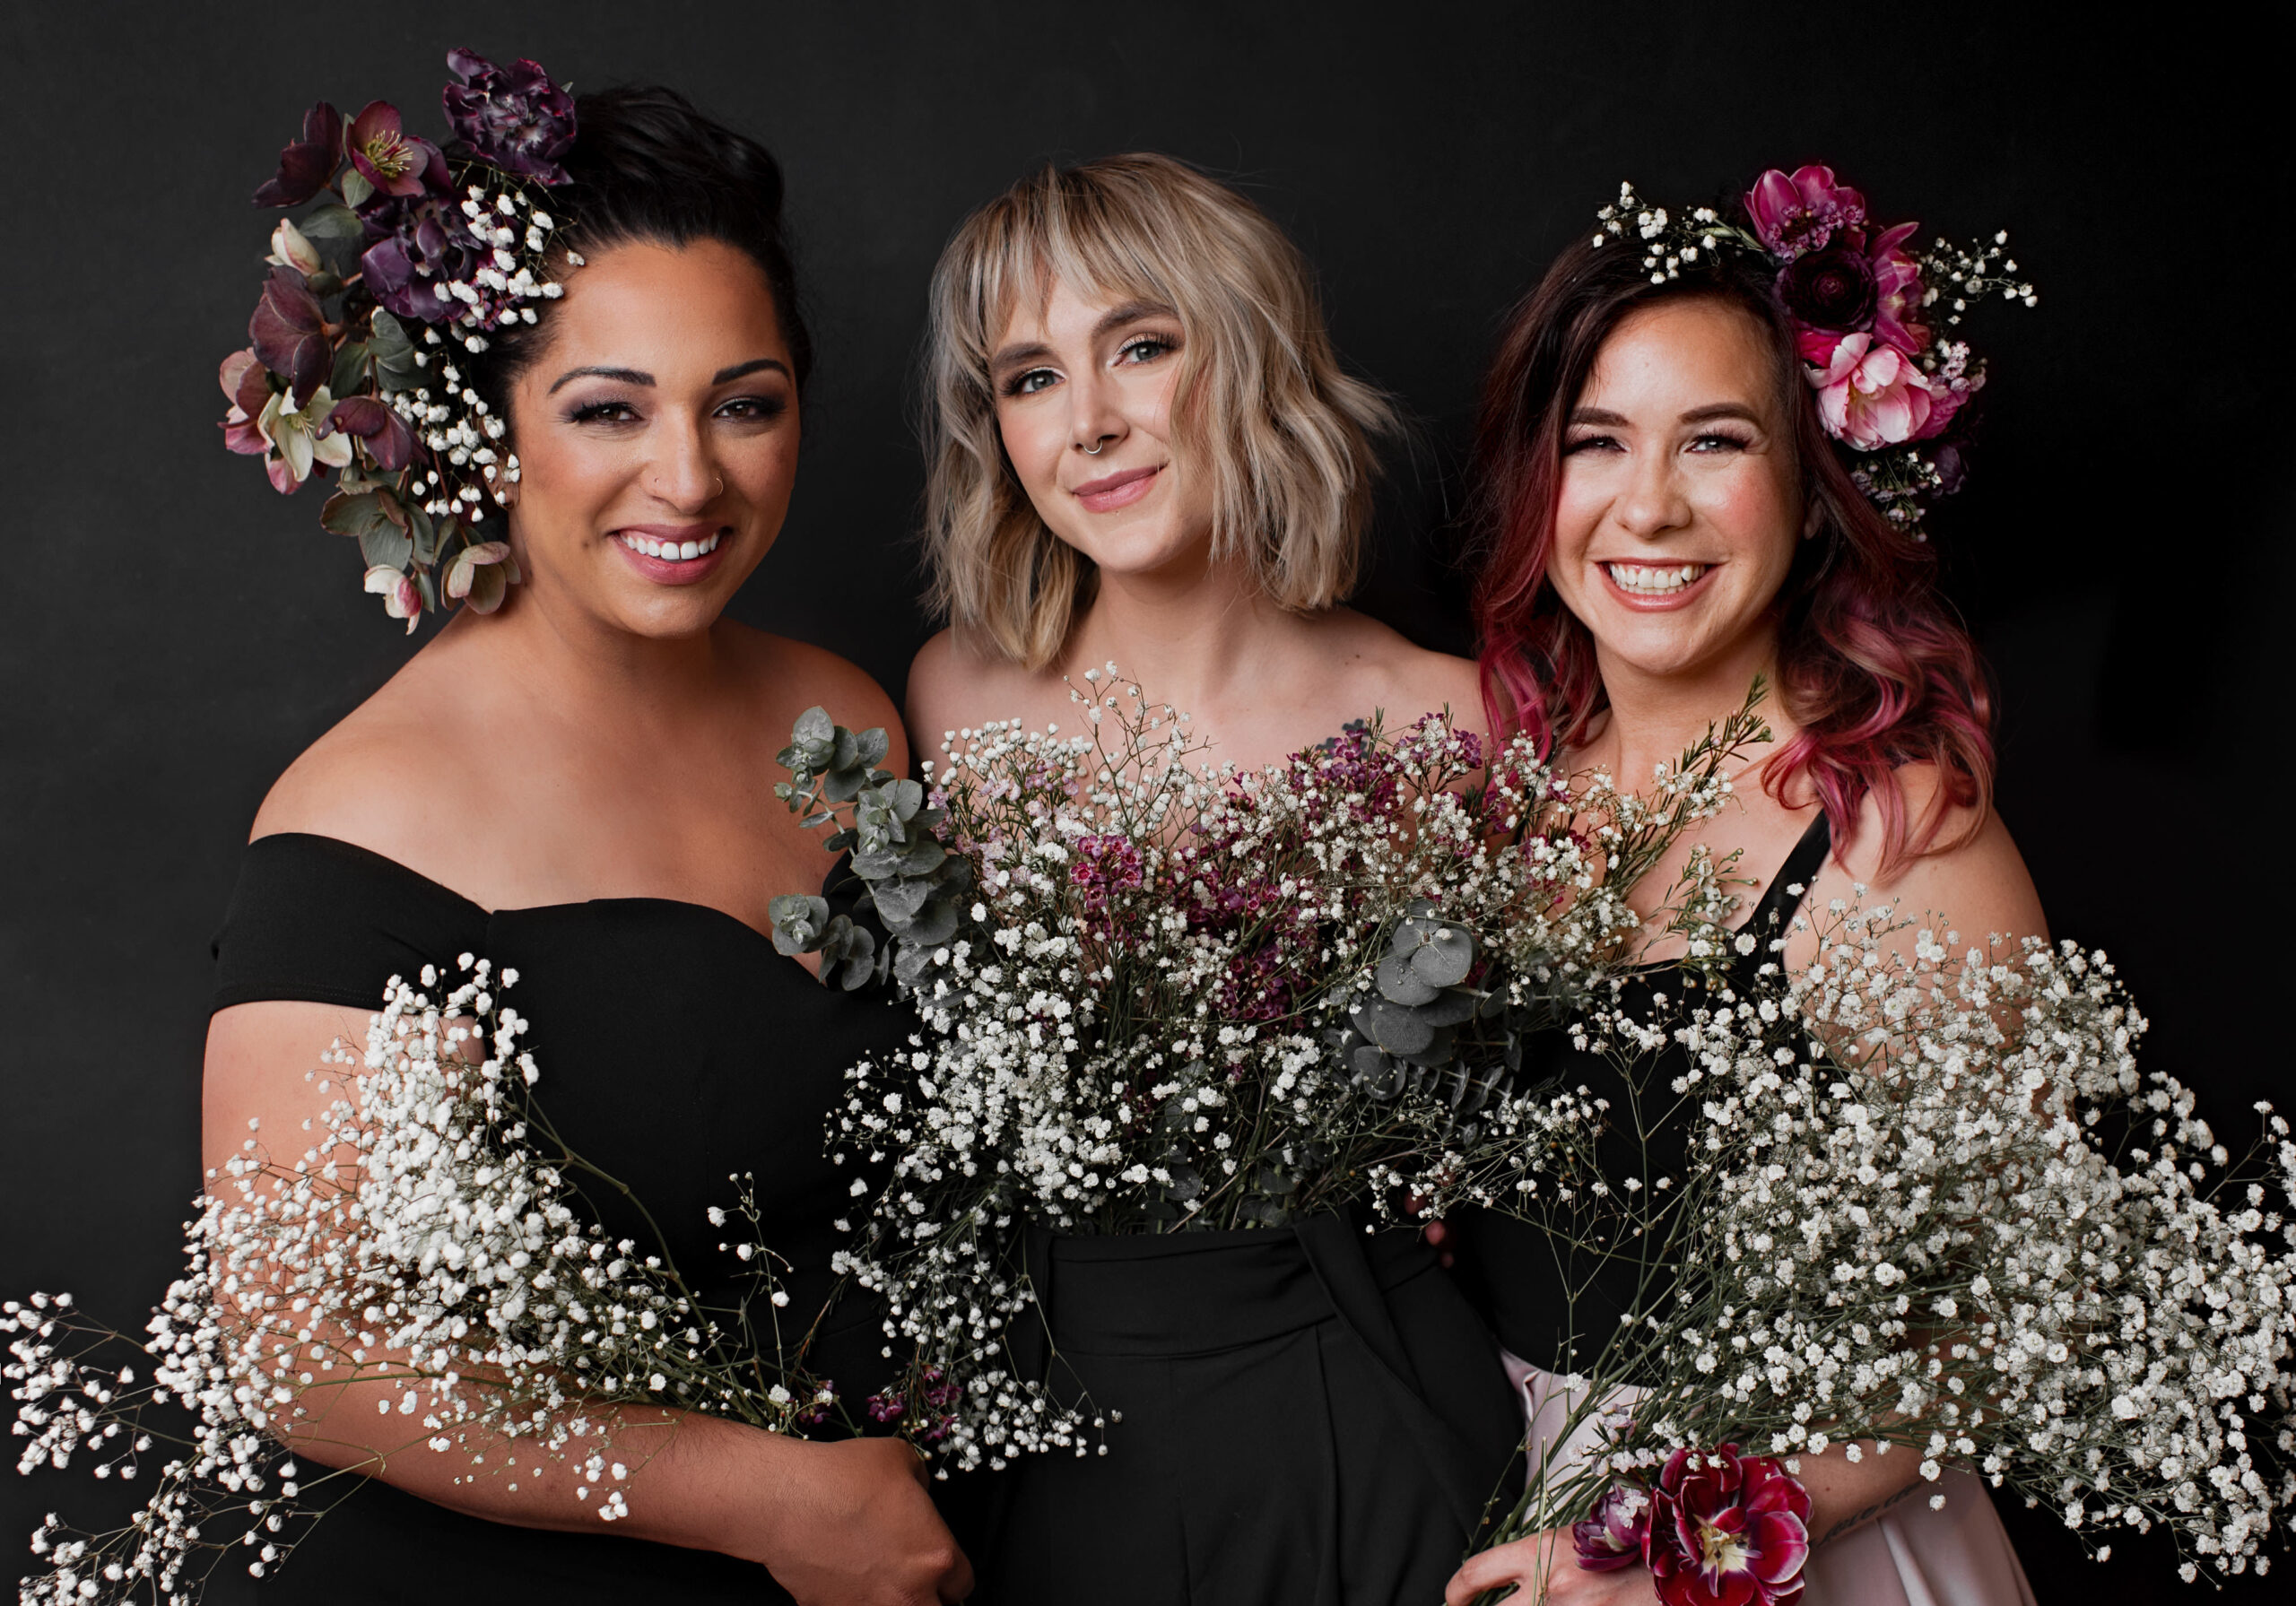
676,1048
1518,1274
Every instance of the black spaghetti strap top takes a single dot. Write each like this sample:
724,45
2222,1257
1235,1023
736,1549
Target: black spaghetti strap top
676,1048
1520,1274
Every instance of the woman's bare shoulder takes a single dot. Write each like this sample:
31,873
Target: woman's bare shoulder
1977,883
789,676
381,777
1404,679
953,685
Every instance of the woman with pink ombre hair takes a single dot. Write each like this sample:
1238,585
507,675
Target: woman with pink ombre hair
1702,452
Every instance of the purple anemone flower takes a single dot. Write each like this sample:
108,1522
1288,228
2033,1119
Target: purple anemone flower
306,165
514,117
395,162
288,333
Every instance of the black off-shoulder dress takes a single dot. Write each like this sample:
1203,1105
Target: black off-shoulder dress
676,1048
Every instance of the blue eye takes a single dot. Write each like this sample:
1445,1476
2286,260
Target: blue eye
1147,348
1029,381
1590,443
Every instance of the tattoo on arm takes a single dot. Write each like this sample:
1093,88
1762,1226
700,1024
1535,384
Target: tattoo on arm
1871,1511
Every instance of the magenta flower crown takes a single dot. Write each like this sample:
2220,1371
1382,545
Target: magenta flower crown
350,365
1861,301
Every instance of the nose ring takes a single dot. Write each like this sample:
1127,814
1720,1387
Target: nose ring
1094,451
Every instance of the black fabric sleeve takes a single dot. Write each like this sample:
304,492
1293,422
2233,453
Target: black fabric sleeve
324,922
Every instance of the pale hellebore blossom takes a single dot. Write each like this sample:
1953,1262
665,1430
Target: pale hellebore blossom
294,434
291,247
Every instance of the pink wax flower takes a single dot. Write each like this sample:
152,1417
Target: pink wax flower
1802,213
1727,1532
1870,395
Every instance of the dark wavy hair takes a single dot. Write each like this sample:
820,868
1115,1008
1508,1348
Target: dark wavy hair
649,167
1873,663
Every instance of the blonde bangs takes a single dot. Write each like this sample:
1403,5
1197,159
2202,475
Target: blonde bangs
1262,400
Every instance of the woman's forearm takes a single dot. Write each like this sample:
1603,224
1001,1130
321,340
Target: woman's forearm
1846,1495
697,1481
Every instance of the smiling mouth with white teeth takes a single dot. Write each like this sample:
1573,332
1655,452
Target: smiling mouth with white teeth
1642,579
671,551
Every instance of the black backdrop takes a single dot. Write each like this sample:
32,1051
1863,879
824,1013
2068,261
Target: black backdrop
172,633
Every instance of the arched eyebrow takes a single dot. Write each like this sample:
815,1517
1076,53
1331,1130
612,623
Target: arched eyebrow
1115,318
1696,415
630,376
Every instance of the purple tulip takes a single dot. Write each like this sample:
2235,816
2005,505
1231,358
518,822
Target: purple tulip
306,165
513,116
377,426
1612,1536
395,162
288,333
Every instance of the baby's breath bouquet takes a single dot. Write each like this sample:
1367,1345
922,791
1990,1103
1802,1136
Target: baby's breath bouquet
1157,996
1930,1206
432,1237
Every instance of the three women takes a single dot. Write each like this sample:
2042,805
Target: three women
1144,451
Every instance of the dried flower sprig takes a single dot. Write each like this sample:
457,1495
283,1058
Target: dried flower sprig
433,1239
1179,997
1932,1206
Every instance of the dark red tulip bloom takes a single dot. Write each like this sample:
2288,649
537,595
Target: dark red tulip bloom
376,425
1727,1532
395,162
306,166
512,116
288,333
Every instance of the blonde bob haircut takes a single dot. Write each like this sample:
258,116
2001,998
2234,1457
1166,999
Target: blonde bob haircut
1261,401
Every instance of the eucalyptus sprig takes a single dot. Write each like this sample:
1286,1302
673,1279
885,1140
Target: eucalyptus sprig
911,881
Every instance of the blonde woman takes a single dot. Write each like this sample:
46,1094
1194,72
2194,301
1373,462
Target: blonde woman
1143,451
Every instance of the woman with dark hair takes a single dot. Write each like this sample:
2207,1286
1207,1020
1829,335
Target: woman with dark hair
1704,448
578,782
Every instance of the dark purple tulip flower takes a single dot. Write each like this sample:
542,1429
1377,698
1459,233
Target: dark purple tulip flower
512,116
306,166
375,425
395,162
289,334
1613,1534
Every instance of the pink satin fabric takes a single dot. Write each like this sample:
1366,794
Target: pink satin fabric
1910,1556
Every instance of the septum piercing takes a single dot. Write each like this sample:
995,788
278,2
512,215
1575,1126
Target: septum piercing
1094,451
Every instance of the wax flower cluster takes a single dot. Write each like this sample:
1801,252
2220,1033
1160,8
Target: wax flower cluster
1862,301
1932,1207
378,297
433,1247
1178,997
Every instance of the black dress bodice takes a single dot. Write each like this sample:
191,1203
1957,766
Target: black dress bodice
676,1048
1540,1295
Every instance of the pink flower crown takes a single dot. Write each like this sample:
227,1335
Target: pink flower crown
1860,300
413,252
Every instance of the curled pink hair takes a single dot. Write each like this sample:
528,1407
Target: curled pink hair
1873,663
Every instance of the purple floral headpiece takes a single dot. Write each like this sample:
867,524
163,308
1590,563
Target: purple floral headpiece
412,251
1860,300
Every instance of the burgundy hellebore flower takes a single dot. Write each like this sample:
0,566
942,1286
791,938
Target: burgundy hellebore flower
1614,1534
395,162
1801,213
288,333
514,117
1727,1532
1833,288
378,427
306,165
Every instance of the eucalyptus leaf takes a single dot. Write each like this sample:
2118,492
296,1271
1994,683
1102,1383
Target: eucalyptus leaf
900,902
1454,1006
1444,959
813,727
800,922
1399,982
923,858
934,924
871,745
1394,1028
